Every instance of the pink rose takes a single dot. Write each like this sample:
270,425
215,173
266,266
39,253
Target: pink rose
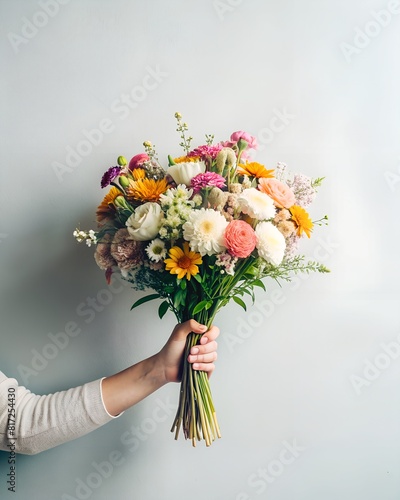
282,195
240,238
138,160
250,139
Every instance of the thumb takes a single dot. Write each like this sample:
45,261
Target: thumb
182,330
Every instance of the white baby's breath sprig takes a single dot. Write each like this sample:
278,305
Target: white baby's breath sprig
89,237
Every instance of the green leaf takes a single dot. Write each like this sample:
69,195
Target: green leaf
260,284
183,284
179,298
197,277
164,306
143,300
200,306
240,302
252,271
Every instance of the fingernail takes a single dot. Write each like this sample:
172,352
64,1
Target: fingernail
196,366
194,350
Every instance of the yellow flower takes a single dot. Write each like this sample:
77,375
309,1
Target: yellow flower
186,159
106,209
147,189
138,173
302,220
183,262
254,169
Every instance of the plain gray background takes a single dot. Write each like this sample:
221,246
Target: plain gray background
318,83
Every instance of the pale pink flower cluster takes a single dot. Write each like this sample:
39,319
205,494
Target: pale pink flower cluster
227,263
301,186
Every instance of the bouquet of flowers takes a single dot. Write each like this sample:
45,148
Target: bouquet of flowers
207,229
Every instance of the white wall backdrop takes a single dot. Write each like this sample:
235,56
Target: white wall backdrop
317,373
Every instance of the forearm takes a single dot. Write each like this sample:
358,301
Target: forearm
42,422
128,387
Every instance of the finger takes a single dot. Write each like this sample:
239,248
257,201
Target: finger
203,358
204,349
211,334
204,367
182,330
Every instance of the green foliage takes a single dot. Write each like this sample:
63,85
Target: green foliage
163,308
145,299
316,183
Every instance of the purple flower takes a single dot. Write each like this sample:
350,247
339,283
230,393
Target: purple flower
109,176
208,179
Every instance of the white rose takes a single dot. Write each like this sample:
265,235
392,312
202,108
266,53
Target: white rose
143,225
183,173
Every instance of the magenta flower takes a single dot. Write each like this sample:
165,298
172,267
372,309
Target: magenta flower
208,179
138,160
206,151
111,174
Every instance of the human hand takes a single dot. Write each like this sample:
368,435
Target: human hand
202,356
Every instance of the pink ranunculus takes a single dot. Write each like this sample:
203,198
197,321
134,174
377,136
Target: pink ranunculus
282,195
240,238
138,160
250,139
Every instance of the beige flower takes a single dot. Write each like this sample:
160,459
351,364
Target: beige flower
235,188
217,198
127,252
287,228
282,215
102,255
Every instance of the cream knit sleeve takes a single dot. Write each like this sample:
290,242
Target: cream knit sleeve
42,422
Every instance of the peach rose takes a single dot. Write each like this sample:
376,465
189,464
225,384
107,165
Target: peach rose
240,238
282,195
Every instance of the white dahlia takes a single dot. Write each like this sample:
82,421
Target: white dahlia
270,243
256,204
204,230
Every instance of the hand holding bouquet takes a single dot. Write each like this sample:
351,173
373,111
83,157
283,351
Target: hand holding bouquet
206,230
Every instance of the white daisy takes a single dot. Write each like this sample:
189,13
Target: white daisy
256,204
204,230
270,243
156,250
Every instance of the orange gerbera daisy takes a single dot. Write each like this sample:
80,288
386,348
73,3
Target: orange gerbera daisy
106,209
302,220
147,189
254,169
138,173
187,159
183,262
